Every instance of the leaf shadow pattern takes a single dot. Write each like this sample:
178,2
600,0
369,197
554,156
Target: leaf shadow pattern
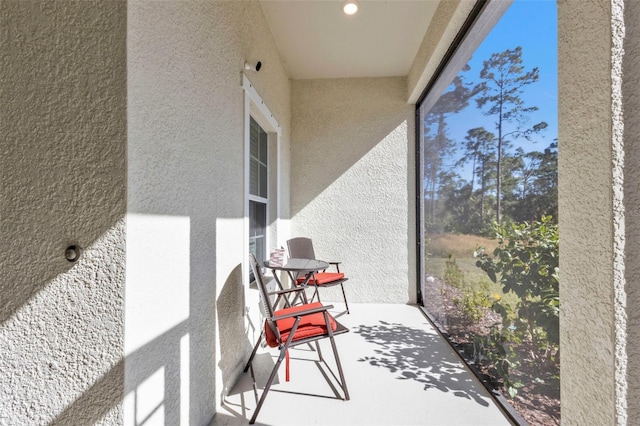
420,355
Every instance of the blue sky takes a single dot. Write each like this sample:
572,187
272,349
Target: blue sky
531,24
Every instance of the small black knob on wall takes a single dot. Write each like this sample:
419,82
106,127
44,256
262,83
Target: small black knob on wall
72,253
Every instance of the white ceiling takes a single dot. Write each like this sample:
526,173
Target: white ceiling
317,40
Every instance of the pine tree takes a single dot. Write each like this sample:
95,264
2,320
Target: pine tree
504,79
437,145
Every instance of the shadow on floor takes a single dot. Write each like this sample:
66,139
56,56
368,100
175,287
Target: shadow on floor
398,368
414,354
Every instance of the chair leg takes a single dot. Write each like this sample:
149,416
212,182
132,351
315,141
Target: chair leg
320,358
253,353
345,298
343,383
316,293
274,372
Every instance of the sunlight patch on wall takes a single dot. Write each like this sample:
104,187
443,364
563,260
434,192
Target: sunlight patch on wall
230,247
145,405
284,232
158,273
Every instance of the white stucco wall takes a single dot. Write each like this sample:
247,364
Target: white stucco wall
185,326
586,213
352,166
63,165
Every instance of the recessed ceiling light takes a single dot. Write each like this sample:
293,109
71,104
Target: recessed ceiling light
350,7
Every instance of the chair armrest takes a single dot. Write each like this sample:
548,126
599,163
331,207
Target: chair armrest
285,291
336,264
303,313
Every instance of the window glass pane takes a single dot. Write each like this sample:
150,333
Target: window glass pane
257,229
263,146
489,194
255,141
254,177
258,160
263,181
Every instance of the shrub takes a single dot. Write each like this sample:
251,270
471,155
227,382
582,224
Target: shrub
525,263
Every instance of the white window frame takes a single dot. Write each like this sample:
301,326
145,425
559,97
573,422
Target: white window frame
254,107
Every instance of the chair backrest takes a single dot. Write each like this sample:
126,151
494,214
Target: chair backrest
264,294
301,248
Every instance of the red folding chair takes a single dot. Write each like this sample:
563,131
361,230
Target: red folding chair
290,327
302,248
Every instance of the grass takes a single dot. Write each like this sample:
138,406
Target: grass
461,247
457,245
442,246
437,267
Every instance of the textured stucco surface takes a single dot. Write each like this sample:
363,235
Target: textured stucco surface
585,207
63,164
618,212
631,107
351,184
186,171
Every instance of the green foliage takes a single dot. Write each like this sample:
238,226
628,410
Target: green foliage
497,351
453,275
474,303
526,264
537,192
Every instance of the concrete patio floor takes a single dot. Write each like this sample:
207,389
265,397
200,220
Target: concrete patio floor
399,371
